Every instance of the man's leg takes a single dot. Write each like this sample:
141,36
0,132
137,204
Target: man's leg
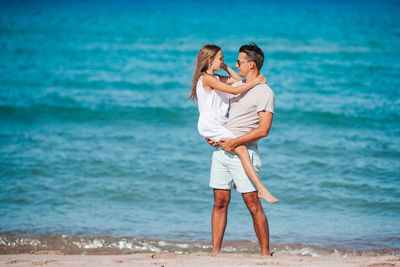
219,217
259,220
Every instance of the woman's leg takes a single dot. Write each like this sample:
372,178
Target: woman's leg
248,167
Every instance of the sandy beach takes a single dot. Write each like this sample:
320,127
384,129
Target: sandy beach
55,258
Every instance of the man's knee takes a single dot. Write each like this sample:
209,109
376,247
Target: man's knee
221,201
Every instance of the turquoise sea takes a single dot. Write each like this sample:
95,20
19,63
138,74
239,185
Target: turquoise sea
99,149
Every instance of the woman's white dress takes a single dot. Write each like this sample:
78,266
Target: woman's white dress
213,107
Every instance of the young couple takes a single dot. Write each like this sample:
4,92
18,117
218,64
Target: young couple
251,105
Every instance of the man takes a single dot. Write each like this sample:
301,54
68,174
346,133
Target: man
250,118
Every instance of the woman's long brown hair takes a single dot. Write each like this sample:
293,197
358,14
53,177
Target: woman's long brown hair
202,63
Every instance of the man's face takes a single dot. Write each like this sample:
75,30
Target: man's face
242,64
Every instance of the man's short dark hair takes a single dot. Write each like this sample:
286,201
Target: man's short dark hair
254,53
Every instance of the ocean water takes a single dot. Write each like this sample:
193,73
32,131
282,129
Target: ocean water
99,150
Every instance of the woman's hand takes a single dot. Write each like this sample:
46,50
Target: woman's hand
225,67
261,79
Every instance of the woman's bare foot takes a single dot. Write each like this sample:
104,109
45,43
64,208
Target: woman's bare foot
265,194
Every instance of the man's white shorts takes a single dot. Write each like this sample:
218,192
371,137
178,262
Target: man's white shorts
227,167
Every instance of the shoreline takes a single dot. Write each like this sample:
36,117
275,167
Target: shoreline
57,258
107,245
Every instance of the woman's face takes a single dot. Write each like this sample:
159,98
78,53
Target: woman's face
218,61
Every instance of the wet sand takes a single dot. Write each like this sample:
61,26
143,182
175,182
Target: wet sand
55,258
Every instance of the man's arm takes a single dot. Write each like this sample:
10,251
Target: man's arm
265,121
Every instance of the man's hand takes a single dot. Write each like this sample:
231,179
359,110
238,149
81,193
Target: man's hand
227,144
212,143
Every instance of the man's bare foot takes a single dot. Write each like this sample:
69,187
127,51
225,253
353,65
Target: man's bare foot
265,194
214,253
267,254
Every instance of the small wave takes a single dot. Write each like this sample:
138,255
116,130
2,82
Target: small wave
335,119
101,83
127,245
95,245
174,116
